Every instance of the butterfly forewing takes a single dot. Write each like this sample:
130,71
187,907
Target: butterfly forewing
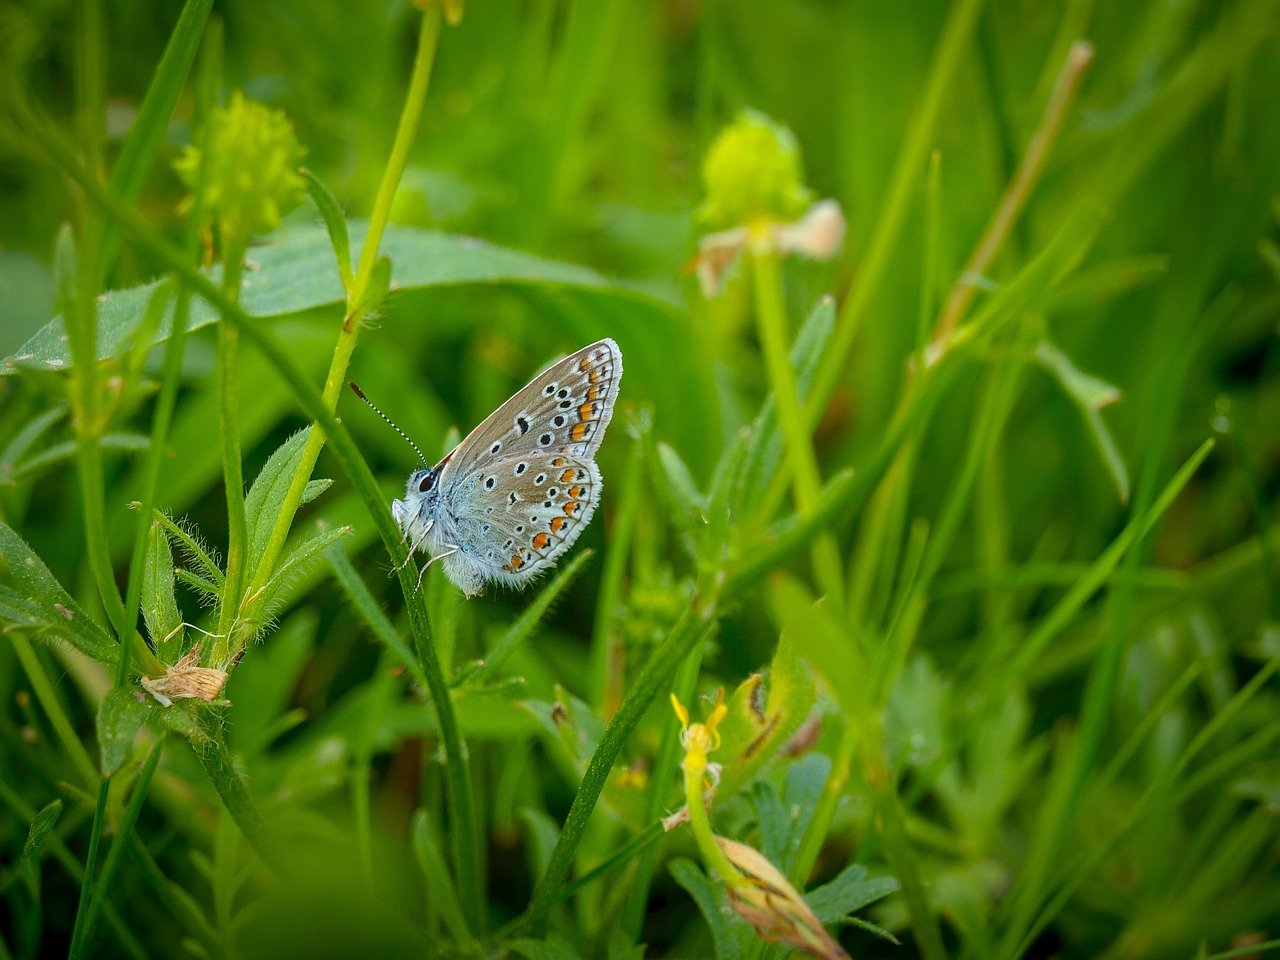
564,409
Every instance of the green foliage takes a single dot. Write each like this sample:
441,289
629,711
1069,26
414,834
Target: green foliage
976,520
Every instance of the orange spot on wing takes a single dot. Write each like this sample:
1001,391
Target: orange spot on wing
595,376
584,364
558,462
570,508
579,431
575,492
584,411
556,524
567,475
593,393
516,562
540,541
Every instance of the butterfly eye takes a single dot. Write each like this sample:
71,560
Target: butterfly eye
427,482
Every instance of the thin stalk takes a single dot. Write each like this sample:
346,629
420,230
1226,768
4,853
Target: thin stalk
684,637
227,780
805,476
171,375
90,863
871,271
897,845
824,811
410,117
62,725
228,382
659,788
606,647
119,842
1019,189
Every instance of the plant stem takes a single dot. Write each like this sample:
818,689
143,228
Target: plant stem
952,45
224,647
805,477
118,843
410,117
217,761
1019,190
44,692
687,633
606,647
664,765
897,846
90,863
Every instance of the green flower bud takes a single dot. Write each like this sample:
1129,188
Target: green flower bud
752,174
253,178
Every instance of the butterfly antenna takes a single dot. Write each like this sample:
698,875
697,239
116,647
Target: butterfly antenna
374,407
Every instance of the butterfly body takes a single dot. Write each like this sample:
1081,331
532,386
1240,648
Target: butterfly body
517,492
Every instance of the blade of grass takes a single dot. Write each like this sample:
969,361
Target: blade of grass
147,134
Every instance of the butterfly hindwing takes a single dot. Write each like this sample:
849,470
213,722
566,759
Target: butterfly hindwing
523,512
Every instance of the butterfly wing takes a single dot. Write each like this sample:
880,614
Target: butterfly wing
522,486
564,409
515,517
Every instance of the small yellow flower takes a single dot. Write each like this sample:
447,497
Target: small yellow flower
699,739
252,179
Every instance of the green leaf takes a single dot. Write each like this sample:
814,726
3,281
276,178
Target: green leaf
23,440
159,608
297,557
783,820
852,889
151,124
764,449
540,835
763,716
443,893
36,602
120,716
819,635
39,831
196,552
60,452
334,222
572,726
555,947
732,938
266,496
1089,395
689,505
314,488
296,274
372,614
622,947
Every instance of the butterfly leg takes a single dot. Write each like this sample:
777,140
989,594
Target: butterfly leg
453,548
413,549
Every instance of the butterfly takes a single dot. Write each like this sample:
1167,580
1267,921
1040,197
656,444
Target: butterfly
514,495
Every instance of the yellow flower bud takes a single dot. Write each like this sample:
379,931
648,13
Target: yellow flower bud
752,175
252,178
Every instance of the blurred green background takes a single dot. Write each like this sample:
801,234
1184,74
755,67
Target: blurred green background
574,133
